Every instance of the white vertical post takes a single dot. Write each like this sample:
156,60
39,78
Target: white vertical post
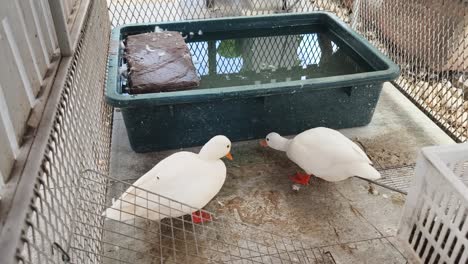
61,27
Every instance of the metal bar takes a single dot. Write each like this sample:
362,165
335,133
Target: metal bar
61,26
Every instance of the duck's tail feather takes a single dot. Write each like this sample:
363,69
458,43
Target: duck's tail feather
365,171
117,213
130,207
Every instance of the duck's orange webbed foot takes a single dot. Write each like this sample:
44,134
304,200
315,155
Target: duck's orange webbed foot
199,217
300,178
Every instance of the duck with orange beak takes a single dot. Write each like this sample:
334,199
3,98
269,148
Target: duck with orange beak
324,153
192,179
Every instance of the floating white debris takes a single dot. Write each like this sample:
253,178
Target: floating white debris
149,49
157,29
191,33
162,53
385,196
200,32
123,70
263,66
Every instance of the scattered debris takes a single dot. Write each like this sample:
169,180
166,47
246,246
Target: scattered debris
371,189
385,196
237,215
157,29
398,199
354,210
296,187
123,70
200,32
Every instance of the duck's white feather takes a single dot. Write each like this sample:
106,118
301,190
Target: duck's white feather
184,177
328,154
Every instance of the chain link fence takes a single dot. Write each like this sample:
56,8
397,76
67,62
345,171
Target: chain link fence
427,38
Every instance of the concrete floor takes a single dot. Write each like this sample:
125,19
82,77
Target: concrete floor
356,226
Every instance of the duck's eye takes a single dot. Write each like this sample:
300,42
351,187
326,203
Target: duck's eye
268,139
227,146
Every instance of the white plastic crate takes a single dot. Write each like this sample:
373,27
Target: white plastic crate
434,224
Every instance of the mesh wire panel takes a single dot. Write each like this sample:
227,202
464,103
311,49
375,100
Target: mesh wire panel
129,236
398,179
427,38
144,11
79,138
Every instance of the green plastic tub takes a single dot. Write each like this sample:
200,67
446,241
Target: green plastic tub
284,73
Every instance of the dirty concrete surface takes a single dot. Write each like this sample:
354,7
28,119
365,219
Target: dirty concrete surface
356,222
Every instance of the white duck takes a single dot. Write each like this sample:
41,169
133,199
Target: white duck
325,153
185,177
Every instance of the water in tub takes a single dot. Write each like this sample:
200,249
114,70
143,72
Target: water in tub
230,60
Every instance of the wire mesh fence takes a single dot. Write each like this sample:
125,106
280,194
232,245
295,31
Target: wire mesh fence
428,39
132,235
79,138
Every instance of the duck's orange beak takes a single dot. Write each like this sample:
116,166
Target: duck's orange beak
263,143
229,156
